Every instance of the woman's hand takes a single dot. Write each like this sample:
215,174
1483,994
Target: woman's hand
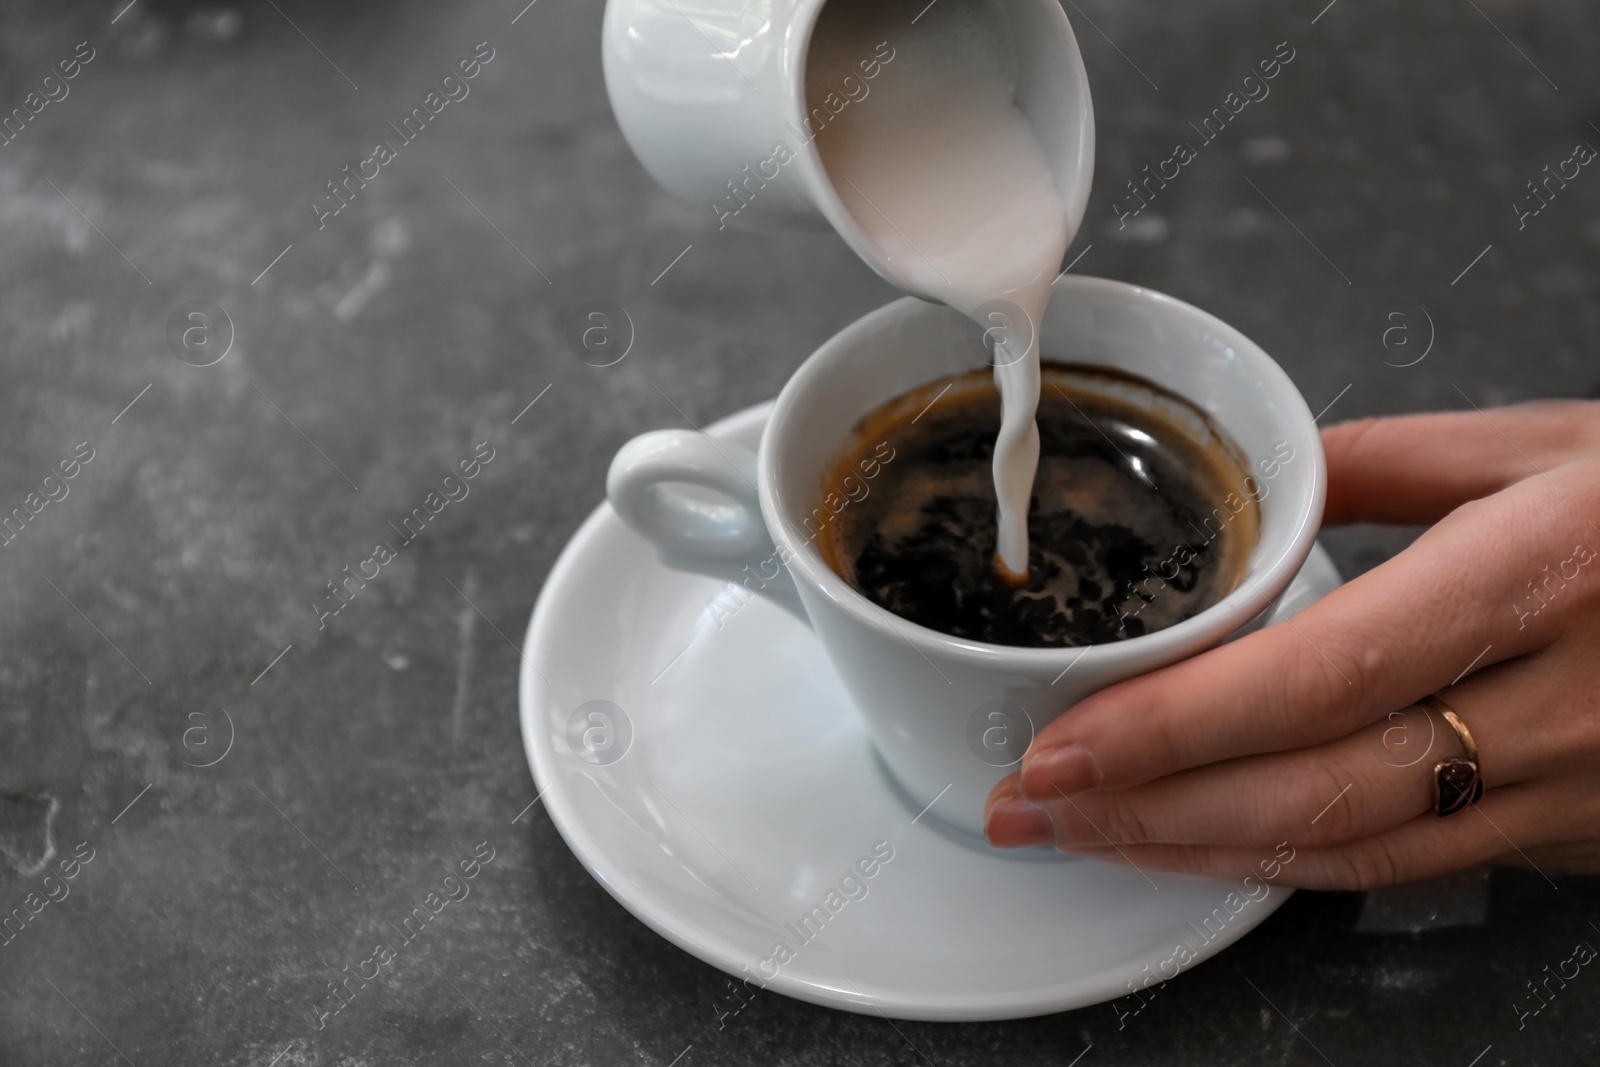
1306,732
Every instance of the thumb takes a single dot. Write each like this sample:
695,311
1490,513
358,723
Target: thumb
1416,469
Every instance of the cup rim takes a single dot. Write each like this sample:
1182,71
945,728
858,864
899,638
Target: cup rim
1261,586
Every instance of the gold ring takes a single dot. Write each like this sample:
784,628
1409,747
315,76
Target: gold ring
1457,781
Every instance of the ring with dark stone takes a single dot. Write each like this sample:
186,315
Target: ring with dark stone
1456,783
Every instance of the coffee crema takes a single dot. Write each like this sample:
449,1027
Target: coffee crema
1133,525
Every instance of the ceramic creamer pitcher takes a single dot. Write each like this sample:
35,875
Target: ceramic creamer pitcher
711,96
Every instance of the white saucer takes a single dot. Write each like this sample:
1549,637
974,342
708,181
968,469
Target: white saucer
741,789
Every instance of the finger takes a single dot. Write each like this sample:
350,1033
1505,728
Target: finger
1504,823
1357,786
1313,797
1416,469
1386,639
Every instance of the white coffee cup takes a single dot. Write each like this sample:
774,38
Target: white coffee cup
951,716
705,93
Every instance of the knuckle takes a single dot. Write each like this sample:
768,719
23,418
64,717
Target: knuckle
1164,743
1167,743
1337,671
1097,818
1568,502
1371,864
1568,740
1318,808
1125,822
1341,440
1367,665
1553,546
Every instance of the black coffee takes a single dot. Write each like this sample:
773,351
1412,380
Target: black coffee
1133,526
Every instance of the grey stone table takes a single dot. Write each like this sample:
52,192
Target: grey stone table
247,789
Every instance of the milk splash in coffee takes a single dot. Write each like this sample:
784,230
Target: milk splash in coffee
947,177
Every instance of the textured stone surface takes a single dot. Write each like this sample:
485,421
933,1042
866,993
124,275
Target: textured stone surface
138,612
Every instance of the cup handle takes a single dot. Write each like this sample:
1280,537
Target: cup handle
725,540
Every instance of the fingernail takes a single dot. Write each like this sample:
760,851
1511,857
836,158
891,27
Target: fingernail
1069,769
1016,822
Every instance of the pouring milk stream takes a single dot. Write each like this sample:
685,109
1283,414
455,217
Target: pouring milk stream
950,144
946,175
